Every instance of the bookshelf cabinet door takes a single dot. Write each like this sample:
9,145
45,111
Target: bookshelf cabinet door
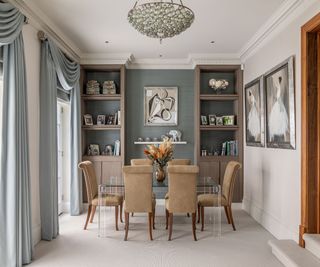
209,169
112,169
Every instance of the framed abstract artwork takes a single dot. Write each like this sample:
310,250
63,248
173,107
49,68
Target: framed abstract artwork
160,106
280,105
254,111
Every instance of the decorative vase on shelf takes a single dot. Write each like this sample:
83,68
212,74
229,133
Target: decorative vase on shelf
160,174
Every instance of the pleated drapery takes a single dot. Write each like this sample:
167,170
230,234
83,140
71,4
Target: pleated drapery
55,65
15,208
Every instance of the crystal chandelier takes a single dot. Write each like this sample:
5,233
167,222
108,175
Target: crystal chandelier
161,19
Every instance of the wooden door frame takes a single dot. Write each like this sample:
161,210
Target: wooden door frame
310,128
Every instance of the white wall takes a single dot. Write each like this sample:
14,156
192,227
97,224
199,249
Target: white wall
32,56
272,176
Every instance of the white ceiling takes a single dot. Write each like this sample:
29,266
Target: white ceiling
89,23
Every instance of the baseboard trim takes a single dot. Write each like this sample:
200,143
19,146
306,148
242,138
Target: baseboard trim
269,222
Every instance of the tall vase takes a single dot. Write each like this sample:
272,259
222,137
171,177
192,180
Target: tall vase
160,174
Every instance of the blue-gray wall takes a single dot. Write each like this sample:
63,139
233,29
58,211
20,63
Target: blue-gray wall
136,80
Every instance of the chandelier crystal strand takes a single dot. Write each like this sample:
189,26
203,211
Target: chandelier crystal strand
160,19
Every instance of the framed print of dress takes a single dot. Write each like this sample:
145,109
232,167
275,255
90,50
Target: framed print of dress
280,105
254,109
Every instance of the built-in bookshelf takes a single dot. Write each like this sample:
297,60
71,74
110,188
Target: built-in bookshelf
216,143
108,135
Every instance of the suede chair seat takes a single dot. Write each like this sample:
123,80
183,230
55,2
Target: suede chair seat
212,200
110,200
139,162
182,195
138,194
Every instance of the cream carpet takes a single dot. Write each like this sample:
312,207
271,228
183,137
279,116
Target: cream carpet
75,247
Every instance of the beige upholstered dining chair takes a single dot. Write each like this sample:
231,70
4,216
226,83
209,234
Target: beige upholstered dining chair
138,194
210,200
182,195
139,162
92,194
179,162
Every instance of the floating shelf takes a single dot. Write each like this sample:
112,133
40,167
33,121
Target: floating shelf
159,142
219,128
101,128
101,97
221,97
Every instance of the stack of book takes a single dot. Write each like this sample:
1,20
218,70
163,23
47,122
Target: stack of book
93,88
229,148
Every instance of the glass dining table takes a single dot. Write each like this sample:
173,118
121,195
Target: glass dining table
205,185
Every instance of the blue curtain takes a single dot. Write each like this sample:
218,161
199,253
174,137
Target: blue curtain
55,65
15,211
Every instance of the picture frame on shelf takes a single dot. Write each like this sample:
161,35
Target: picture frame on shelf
212,119
204,120
219,120
160,106
228,120
254,113
88,119
280,105
93,150
101,120
110,120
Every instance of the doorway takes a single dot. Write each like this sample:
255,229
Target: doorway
63,141
310,126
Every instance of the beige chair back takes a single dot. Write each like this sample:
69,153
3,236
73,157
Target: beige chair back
138,188
179,162
182,188
90,179
229,179
137,162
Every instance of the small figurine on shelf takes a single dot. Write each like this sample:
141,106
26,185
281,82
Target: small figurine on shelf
93,150
108,150
218,85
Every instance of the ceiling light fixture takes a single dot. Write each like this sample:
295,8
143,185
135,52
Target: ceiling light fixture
161,19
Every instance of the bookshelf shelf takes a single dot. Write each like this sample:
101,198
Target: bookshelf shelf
106,135
215,139
218,128
101,128
158,143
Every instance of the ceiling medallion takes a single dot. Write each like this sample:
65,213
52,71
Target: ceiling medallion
160,19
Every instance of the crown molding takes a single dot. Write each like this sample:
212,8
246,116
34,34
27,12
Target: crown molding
289,10
41,22
104,58
159,63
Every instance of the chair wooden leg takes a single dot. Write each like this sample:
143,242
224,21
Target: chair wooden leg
194,218
227,214
150,225
198,214
126,227
116,216
231,217
121,205
170,225
167,218
93,211
88,217
132,214
188,215
202,218
153,218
